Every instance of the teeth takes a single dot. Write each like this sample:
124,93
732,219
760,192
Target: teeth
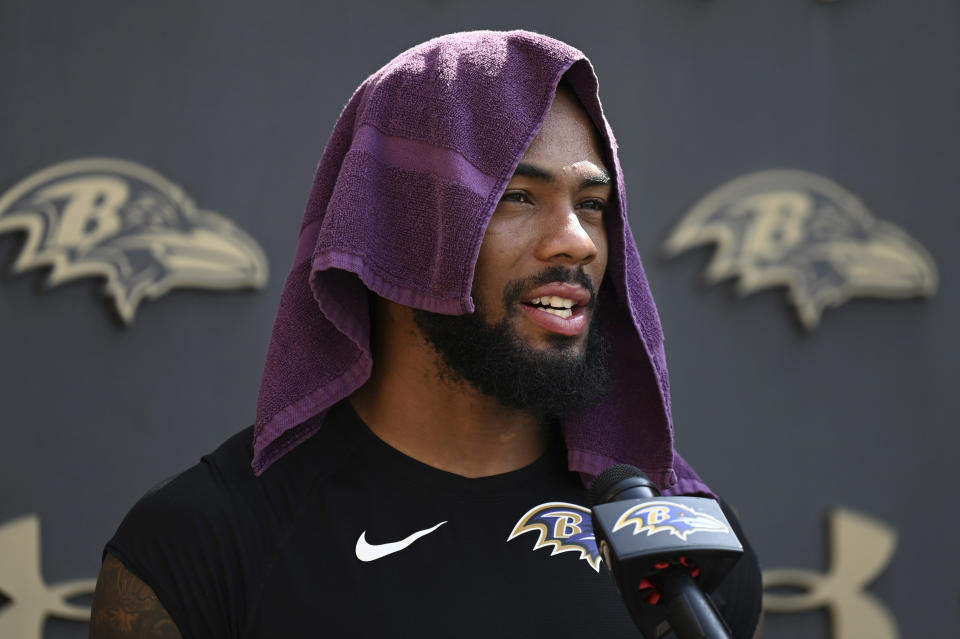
554,301
559,312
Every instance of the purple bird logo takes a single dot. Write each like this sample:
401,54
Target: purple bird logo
654,517
562,527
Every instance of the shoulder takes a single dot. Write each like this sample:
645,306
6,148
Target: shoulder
214,492
222,493
171,541
740,594
201,539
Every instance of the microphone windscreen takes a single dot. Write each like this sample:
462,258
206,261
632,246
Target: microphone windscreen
610,477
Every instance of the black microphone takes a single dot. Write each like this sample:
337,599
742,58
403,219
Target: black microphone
663,553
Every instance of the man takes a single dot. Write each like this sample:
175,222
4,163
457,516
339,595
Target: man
465,338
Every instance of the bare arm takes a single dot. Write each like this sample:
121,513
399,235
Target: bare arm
126,608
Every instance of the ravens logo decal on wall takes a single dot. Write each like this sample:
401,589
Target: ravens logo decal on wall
110,218
800,230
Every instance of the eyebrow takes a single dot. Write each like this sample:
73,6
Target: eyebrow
532,171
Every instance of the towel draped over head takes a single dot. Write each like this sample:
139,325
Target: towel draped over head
411,175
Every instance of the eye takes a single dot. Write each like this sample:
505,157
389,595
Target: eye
594,204
515,196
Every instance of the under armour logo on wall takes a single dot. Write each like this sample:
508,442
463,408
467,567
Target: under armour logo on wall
860,549
32,601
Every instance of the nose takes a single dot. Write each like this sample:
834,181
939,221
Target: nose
565,240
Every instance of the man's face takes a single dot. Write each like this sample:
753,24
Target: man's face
550,220
533,341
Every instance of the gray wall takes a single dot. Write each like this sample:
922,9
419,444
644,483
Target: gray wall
235,100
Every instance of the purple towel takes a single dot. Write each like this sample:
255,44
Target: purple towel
413,171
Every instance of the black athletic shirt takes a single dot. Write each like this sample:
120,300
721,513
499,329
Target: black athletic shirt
232,555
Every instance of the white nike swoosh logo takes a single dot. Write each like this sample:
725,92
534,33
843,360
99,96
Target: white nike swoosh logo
370,552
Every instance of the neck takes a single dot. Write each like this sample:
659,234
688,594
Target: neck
412,404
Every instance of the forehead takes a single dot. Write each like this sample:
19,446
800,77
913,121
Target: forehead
568,135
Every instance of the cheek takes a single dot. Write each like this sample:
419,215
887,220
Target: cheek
502,248
497,265
599,264
485,273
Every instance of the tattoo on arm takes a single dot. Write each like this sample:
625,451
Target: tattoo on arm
126,608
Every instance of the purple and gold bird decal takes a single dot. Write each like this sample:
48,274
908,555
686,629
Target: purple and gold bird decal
562,527
654,517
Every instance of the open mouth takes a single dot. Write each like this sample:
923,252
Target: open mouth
559,306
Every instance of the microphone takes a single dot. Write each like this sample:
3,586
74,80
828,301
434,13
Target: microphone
663,553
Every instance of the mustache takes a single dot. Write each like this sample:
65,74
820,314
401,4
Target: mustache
515,290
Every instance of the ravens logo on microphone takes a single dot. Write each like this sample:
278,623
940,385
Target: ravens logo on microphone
110,218
803,231
676,519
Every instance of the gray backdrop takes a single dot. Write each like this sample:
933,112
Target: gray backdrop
235,101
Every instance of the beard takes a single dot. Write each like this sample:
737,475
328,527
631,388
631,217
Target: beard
550,382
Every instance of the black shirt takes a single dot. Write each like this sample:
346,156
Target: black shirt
303,550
